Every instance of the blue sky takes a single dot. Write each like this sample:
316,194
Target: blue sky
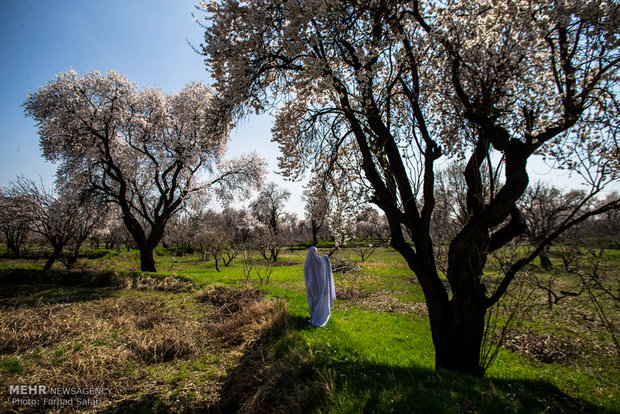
146,40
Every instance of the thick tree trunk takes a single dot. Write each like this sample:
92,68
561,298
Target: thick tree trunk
457,323
545,261
147,262
315,231
457,330
145,244
457,336
14,247
55,255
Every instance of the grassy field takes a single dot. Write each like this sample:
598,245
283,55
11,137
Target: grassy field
191,339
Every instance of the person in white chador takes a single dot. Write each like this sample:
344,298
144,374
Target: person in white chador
319,286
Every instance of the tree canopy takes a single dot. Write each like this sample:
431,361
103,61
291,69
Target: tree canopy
385,89
140,149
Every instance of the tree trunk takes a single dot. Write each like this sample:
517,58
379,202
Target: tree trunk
147,262
315,231
457,322
545,261
14,247
55,255
73,257
457,336
229,258
216,262
71,260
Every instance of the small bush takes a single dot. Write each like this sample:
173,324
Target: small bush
11,366
100,254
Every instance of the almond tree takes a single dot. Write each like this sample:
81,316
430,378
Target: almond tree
14,221
543,207
142,150
317,208
61,217
219,234
394,86
267,209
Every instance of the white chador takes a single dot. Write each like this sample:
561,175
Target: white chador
319,287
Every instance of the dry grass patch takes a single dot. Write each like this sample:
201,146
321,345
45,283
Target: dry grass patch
544,348
351,293
166,342
343,266
250,324
241,316
22,328
380,301
275,377
129,312
166,283
169,347
98,278
228,301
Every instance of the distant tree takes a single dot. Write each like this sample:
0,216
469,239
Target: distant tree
232,224
14,221
212,243
293,230
220,234
62,218
90,216
371,225
370,231
545,208
603,232
267,208
341,219
139,149
316,208
392,87
180,232
117,234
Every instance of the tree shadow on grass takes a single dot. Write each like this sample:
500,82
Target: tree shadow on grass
282,374
373,388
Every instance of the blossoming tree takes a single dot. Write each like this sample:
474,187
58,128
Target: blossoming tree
267,209
140,149
63,218
14,221
316,208
395,86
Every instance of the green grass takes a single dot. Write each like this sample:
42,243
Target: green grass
11,365
399,345
369,359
